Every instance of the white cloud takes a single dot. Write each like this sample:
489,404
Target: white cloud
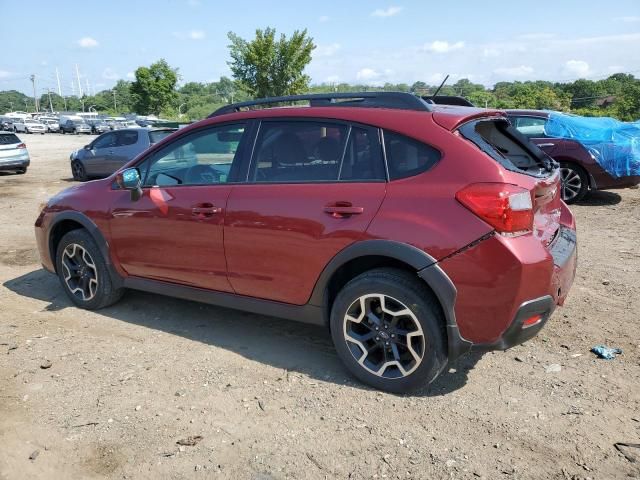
88,42
443,47
324,18
629,19
536,36
577,67
131,75
109,74
367,74
326,50
5,74
491,52
519,71
386,12
196,34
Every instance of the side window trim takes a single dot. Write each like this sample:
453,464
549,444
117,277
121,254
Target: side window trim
344,152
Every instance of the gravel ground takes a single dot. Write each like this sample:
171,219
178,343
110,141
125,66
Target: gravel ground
114,393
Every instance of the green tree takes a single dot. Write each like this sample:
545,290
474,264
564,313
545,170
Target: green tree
155,88
266,67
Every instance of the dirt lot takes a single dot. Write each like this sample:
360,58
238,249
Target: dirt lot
270,399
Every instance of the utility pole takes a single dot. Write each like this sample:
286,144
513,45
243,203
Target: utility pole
115,104
50,102
35,98
88,87
79,84
58,78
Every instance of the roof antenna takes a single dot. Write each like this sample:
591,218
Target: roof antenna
440,87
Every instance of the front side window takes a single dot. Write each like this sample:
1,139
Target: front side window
407,157
531,127
105,141
201,158
298,151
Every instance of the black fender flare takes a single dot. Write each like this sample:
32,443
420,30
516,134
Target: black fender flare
426,268
95,233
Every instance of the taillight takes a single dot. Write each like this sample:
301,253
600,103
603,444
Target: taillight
21,145
507,208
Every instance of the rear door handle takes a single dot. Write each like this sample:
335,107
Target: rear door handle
205,210
342,209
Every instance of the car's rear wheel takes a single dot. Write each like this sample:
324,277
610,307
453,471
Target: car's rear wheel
575,184
83,273
387,328
78,171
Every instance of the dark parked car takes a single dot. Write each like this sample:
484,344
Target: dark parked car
400,225
580,170
14,156
112,150
98,126
75,126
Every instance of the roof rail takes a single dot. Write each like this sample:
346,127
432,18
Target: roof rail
449,100
393,100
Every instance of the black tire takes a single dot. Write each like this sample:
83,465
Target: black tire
575,182
78,171
105,293
62,131
409,292
75,131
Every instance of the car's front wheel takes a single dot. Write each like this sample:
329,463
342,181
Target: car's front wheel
83,273
388,329
78,171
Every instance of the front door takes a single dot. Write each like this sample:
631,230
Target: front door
96,157
175,231
313,188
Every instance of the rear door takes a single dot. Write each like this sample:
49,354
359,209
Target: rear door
313,187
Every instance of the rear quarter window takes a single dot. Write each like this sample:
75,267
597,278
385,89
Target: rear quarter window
407,157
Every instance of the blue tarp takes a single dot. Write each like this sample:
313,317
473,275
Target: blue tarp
614,144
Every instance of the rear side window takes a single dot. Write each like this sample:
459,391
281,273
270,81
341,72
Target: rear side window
8,139
363,156
531,127
407,157
156,135
297,151
126,138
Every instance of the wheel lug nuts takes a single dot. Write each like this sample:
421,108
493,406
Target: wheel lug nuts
393,335
386,327
377,339
377,328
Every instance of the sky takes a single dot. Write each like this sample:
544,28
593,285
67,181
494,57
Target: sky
368,42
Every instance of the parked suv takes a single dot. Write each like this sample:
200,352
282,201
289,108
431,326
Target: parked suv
75,126
112,150
29,125
14,156
415,232
580,170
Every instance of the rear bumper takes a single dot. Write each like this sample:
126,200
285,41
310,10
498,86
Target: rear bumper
503,282
10,164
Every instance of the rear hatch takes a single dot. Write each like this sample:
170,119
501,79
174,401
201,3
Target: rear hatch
528,169
11,146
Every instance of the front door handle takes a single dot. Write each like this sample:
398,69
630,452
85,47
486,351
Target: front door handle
542,145
205,210
342,209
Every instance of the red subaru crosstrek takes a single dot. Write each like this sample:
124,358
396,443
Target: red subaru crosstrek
415,232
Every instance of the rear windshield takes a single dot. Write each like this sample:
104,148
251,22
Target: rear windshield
8,139
156,135
502,142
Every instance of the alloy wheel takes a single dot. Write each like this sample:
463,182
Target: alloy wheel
80,272
77,170
571,183
384,336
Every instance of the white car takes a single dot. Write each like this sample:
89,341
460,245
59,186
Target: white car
52,125
29,126
14,156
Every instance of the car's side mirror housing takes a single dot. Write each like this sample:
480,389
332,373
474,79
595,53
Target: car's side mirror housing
87,147
129,179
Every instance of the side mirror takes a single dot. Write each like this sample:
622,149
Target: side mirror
129,179
87,147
